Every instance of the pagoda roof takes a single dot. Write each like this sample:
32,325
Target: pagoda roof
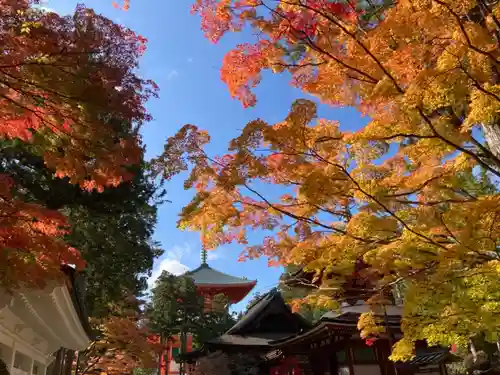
206,275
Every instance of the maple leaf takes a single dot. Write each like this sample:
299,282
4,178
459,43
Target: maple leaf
404,194
69,91
72,94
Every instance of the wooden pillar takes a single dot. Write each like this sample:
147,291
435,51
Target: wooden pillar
32,364
13,356
350,358
383,351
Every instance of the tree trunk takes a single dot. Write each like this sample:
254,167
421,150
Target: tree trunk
492,137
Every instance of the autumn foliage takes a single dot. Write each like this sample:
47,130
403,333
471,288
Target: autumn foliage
412,193
124,347
68,89
123,344
29,234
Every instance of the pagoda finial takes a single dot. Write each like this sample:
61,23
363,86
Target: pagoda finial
203,249
203,256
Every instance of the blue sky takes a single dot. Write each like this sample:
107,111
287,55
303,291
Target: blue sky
186,67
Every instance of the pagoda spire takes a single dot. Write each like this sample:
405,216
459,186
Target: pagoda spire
204,257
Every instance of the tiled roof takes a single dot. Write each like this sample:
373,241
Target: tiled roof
344,318
206,275
273,296
250,340
77,293
430,356
392,311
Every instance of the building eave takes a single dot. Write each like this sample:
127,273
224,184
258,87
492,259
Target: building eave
45,320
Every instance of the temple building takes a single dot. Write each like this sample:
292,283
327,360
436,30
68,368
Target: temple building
210,284
288,345
268,320
333,346
34,324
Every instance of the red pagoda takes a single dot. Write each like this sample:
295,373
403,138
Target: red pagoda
209,284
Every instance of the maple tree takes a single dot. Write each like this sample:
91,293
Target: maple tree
112,229
122,345
69,90
295,293
404,193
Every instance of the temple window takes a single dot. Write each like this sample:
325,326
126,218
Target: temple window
359,359
22,362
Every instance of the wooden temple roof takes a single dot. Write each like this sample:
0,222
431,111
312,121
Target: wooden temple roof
269,305
342,322
77,293
430,356
269,319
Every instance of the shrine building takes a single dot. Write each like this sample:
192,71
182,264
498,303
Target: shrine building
286,344
34,324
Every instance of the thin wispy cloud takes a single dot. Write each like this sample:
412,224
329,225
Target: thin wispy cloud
176,259
172,74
